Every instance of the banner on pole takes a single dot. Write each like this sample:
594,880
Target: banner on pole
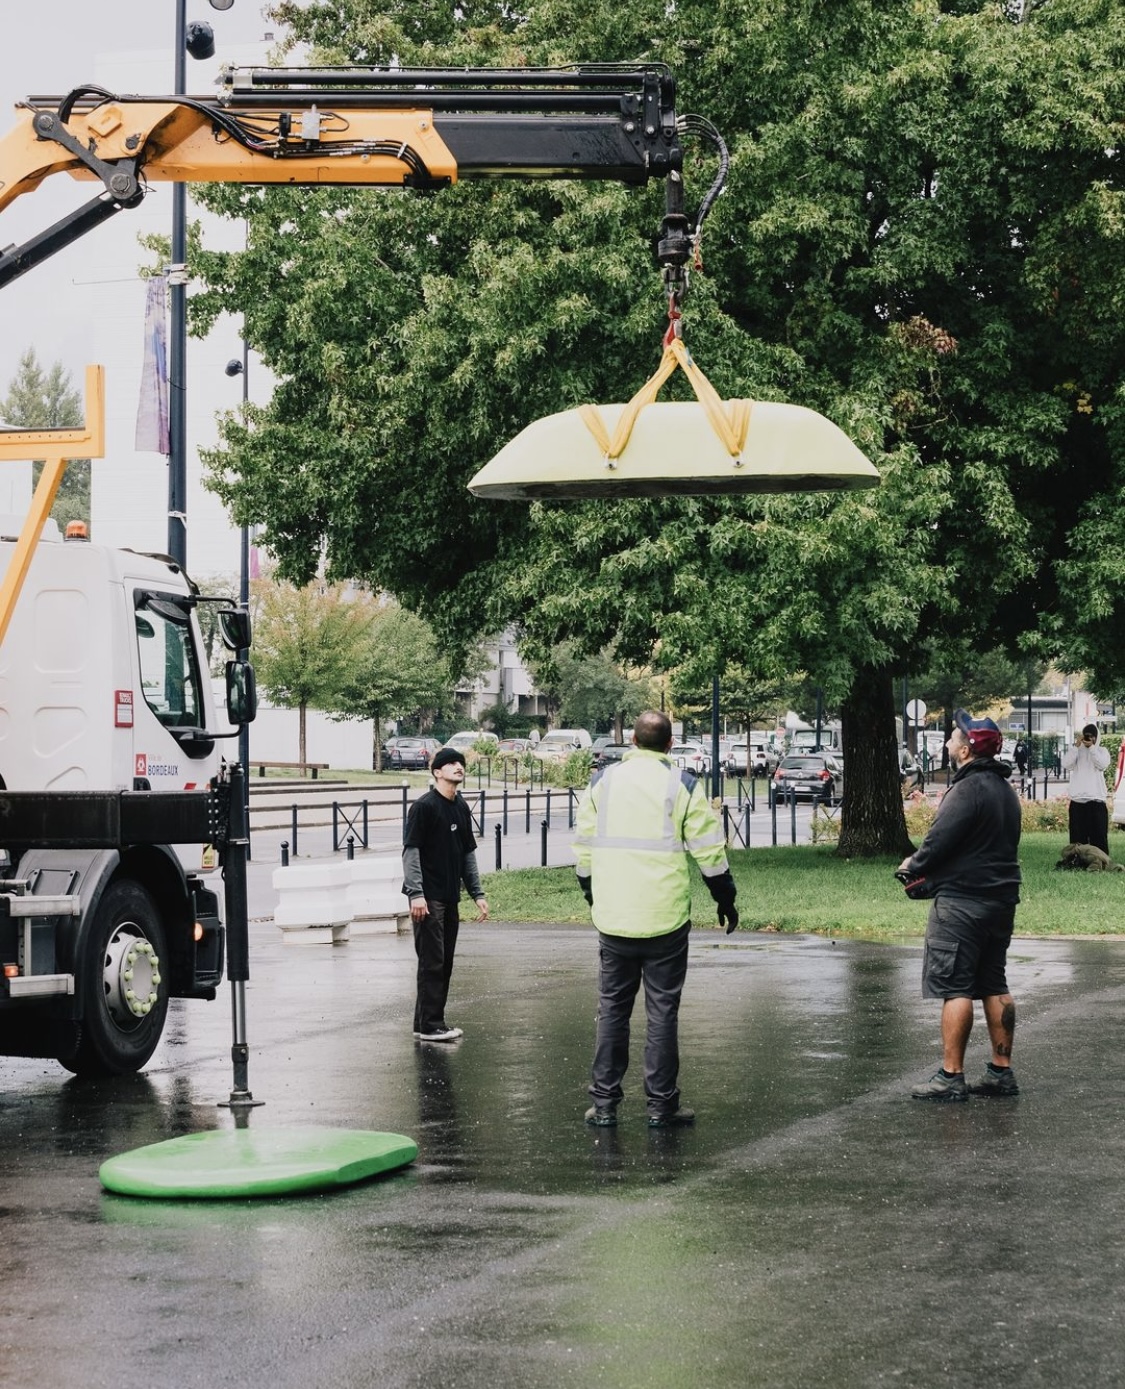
152,409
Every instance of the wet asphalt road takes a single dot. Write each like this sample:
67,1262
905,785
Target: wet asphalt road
817,1227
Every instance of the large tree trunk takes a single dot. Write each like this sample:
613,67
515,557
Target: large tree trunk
872,821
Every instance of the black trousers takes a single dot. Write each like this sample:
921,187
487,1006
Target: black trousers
624,963
435,941
1089,824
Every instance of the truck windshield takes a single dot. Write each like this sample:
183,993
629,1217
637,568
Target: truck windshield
170,677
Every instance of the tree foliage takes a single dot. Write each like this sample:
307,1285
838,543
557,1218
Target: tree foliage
398,672
46,400
592,691
921,237
306,642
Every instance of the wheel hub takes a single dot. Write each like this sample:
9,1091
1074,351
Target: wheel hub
131,976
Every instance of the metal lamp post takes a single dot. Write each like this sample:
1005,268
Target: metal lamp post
241,367
197,39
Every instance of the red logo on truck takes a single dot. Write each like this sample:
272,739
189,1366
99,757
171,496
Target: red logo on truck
141,768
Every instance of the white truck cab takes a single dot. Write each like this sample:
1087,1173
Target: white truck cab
101,681
112,799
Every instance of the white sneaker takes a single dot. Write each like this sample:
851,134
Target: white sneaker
441,1034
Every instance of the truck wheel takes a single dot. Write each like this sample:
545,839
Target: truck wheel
123,988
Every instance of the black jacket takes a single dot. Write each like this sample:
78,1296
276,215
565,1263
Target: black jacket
971,848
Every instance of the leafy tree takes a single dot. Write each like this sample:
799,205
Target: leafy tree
47,400
920,237
591,691
306,644
398,672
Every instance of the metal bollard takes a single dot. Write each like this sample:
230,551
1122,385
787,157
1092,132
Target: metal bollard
746,811
527,815
499,841
543,844
792,815
351,847
285,853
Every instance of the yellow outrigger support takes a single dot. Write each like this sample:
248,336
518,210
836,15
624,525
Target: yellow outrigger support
56,447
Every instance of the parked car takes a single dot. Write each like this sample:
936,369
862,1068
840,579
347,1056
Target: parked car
467,740
610,752
603,740
514,747
411,754
762,759
557,745
691,757
813,776
738,758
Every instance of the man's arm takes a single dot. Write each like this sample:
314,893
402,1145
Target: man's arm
585,828
952,825
470,876
704,840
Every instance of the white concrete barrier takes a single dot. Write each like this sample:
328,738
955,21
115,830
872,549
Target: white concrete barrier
313,902
375,895
326,903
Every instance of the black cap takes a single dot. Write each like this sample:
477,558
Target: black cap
444,756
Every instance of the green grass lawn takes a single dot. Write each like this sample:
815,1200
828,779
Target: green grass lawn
808,889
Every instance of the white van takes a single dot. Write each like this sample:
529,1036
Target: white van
557,745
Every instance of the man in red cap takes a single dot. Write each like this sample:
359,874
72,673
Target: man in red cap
968,864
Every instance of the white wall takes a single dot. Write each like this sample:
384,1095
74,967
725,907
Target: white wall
275,737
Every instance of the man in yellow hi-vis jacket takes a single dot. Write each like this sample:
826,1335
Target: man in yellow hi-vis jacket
637,824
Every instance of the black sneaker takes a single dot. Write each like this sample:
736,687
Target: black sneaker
678,1118
999,1084
602,1116
942,1087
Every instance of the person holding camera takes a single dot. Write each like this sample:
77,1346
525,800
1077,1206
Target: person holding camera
1086,762
968,865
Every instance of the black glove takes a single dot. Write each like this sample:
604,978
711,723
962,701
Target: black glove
586,887
723,892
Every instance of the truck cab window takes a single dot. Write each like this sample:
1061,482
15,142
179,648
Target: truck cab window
170,676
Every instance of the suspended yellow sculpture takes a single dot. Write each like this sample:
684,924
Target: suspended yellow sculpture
692,448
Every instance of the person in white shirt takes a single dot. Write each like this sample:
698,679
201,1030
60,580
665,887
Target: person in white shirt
1085,763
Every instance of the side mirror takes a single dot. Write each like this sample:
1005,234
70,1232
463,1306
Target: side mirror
242,692
235,628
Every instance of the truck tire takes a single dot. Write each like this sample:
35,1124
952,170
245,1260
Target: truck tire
123,987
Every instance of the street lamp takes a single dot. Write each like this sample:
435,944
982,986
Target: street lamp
241,367
198,39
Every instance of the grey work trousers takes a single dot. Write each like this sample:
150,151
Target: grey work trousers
624,963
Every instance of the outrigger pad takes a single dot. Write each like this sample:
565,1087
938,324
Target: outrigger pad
255,1162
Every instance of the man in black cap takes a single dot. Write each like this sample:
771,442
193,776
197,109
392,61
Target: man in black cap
438,855
968,864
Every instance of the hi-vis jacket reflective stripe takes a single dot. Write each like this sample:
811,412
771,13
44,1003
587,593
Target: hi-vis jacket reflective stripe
636,826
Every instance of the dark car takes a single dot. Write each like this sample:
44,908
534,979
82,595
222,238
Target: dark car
610,752
412,754
810,776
